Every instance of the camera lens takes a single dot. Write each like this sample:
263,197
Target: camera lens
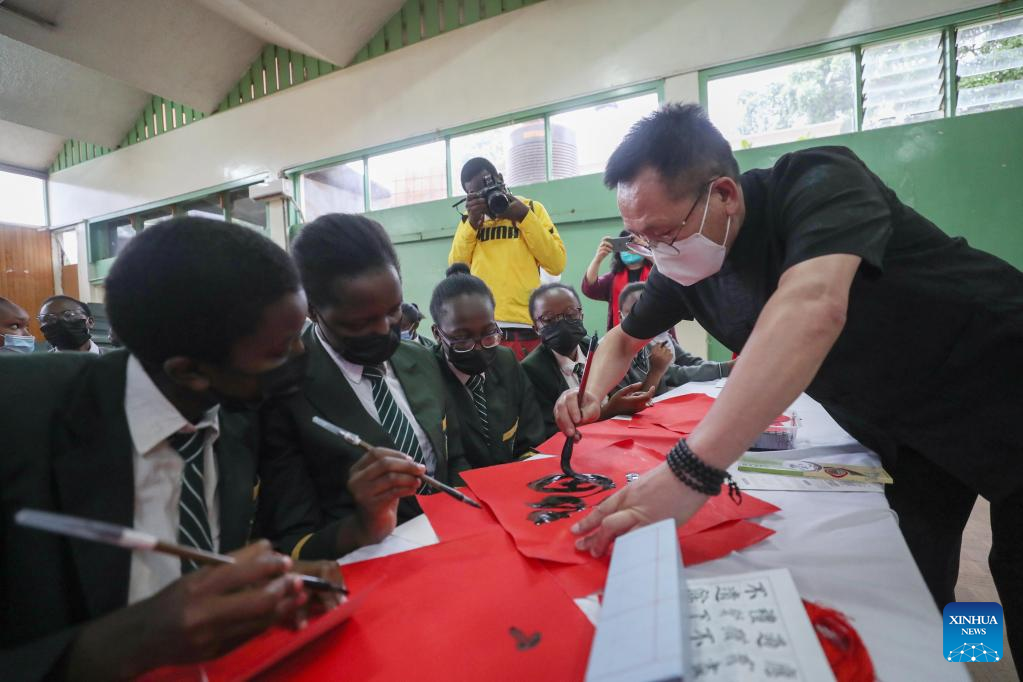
497,203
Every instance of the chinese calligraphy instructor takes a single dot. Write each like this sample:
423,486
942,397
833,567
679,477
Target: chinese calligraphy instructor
827,283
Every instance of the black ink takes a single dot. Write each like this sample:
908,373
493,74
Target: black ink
770,640
762,616
701,669
540,518
734,634
699,595
700,616
780,670
522,640
698,638
753,591
724,593
731,613
555,508
740,659
591,484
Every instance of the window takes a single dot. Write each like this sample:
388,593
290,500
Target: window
150,218
68,243
246,211
799,101
206,207
989,66
903,81
338,189
109,237
408,176
519,151
583,139
22,199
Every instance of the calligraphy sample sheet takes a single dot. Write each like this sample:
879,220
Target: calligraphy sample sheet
752,626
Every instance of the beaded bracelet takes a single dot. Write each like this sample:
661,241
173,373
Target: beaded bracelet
698,475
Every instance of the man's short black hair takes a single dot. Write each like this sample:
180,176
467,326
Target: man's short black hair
550,286
680,143
458,269
473,167
340,245
411,312
457,283
629,290
193,287
61,297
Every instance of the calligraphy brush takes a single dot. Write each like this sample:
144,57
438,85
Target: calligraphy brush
566,450
360,443
129,538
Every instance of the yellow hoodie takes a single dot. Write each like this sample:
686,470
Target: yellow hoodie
508,257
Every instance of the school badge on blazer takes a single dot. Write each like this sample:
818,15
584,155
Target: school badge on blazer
973,632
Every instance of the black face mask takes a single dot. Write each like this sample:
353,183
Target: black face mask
370,349
67,334
278,382
564,336
476,361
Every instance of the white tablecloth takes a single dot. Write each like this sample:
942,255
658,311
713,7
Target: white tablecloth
844,551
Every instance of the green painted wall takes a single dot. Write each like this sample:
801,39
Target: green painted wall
965,174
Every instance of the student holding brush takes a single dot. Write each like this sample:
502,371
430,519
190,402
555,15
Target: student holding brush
363,378
150,438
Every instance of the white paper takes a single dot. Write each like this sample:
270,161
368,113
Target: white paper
641,631
748,480
752,626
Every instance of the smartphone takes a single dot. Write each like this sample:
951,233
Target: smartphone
619,244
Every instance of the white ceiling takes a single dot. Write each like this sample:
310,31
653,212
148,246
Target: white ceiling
86,68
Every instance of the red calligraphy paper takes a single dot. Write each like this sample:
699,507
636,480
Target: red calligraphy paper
468,609
599,435
505,490
452,519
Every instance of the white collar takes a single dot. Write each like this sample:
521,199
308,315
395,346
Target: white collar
567,365
93,348
351,370
151,417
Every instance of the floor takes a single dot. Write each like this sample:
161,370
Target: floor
975,585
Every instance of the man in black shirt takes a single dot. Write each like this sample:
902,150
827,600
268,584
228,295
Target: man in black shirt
826,283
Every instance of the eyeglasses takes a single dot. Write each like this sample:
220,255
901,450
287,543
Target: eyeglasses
666,245
489,340
571,314
67,316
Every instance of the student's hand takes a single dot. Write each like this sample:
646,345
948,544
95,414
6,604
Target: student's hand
378,481
604,249
476,207
516,211
661,357
657,495
320,601
568,414
628,400
200,616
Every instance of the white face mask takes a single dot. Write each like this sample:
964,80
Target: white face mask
19,344
698,257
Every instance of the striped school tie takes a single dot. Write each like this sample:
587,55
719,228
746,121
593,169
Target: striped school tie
479,398
394,421
193,517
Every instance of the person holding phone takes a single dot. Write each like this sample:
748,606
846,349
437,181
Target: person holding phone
626,267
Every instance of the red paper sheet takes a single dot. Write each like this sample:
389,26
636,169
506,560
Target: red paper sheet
504,489
446,612
581,580
452,519
262,652
680,414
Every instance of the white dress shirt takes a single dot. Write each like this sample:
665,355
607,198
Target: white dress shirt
158,468
567,366
364,392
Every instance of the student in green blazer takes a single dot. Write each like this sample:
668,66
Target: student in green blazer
497,413
210,314
360,376
557,363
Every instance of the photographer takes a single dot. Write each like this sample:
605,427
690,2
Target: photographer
505,240
627,267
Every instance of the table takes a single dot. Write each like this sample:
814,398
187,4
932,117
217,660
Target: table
844,550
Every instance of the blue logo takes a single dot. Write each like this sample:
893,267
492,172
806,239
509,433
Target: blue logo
973,632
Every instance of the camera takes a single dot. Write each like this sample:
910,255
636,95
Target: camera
495,194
